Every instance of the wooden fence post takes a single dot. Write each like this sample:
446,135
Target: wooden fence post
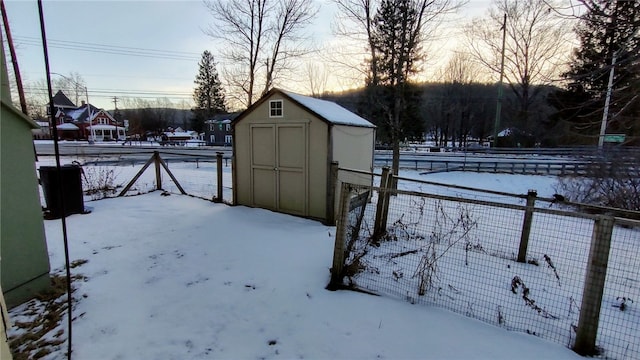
526,226
156,159
379,227
166,168
219,169
337,273
392,185
135,178
594,286
331,195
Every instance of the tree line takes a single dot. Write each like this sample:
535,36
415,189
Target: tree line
560,72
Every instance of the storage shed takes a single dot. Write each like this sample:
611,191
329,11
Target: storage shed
283,148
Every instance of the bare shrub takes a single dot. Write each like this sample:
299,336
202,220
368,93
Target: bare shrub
517,283
427,269
612,180
447,231
99,181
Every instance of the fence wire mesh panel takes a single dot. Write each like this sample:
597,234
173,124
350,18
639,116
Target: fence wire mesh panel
197,178
620,314
462,254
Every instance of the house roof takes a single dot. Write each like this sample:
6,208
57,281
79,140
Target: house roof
512,131
328,111
61,100
181,134
80,114
221,117
67,126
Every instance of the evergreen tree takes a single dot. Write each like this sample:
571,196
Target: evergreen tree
208,94
609,32
395,42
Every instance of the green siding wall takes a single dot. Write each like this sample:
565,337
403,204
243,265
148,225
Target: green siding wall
24,261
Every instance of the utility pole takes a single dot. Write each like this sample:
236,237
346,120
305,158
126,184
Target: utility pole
607,100
496,125
14,60
115,114
91,137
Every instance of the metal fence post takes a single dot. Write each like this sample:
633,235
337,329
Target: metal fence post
526,226
337,273
156,158
379,227
219,169
594,286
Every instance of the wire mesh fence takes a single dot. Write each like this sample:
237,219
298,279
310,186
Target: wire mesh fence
620,314
462,254
199,180
198,177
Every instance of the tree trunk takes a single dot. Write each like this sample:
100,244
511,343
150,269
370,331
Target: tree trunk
396,131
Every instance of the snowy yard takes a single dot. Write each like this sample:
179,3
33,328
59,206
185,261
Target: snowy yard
177,277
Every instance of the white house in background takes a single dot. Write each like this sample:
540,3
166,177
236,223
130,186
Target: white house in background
182,137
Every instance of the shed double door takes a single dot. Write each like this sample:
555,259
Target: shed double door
279,154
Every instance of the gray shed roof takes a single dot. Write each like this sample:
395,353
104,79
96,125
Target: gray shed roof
329,110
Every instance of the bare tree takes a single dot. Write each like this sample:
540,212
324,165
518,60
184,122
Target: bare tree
459,74
536,41
318,77
603,82
262,37
73,85
37,98
460,68
356,22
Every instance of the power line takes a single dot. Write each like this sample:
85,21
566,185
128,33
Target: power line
118,47
112,49
119,91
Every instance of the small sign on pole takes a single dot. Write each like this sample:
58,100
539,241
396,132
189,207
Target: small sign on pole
614,138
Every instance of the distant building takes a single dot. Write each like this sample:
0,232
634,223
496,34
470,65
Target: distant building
181,137
43,132
85,122
514,138
217,130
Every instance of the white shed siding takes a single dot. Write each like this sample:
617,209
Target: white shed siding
353,149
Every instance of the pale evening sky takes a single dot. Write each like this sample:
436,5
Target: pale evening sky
147,49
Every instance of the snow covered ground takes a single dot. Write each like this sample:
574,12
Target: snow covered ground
178,277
